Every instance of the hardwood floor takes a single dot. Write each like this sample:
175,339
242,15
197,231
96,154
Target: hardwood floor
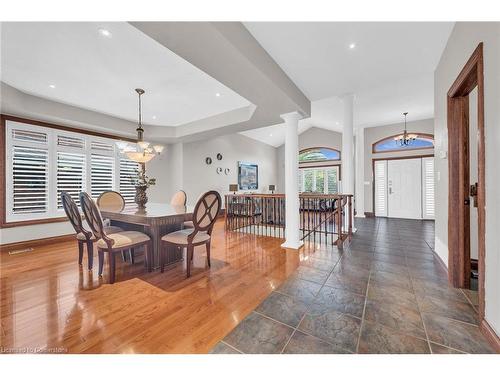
50,303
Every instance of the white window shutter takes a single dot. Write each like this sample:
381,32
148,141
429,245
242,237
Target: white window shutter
30,182
128,170
428,188
380,188
70,175
101,174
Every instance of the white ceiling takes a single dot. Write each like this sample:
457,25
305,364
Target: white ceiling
378,106
100,73
390,70
317,57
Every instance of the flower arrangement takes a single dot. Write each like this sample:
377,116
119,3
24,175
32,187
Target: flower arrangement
141,180
141,184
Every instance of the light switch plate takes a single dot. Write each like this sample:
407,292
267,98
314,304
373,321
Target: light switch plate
443,154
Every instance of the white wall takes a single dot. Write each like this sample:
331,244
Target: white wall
200,177
374,134
313,137
165,168
463,40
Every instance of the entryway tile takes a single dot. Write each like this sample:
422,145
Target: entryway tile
258,334
397,317
332,326
302,343
376,338
283,308
451,333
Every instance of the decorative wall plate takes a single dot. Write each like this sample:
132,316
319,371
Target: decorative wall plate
227,170
208,160
219,156
219,170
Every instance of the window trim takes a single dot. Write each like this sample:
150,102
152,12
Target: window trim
402,149
320,161
3,164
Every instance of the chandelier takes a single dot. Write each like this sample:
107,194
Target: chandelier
142,151
406,138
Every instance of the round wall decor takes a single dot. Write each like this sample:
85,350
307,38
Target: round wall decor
208,160
219,170
219,156
227,170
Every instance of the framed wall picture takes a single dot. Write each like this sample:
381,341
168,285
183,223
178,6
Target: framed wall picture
248,176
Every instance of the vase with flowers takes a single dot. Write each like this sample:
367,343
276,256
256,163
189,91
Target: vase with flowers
141,184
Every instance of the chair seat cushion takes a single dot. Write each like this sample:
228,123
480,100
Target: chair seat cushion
181,237
108,230
124,239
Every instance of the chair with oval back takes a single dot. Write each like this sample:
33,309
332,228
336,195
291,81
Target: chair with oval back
114,242
82,234
111,200
204,216
179,198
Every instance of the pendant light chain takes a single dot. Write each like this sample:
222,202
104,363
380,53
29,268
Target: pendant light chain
142,151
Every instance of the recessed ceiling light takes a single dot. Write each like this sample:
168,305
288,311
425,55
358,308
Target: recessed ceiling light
154,117
352,45
271,134
336,122
217,94
52,86
105,33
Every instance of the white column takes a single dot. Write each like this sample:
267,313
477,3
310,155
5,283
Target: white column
360,172
347,147
292,228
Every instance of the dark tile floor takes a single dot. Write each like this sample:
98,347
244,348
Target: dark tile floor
384,293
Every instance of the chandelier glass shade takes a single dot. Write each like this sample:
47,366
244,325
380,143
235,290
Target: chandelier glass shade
141,151
406,138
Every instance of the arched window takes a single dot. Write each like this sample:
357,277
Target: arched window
389,144
318,154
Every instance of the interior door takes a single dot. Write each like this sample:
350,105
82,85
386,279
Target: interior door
404,187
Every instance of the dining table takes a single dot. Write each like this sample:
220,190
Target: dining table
156,220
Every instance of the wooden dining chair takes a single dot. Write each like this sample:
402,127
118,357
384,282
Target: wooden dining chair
179,198
205,213
83,235
111,201
114,242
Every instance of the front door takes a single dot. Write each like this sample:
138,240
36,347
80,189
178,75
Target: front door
404,188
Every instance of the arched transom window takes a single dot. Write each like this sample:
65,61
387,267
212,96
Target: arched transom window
318,154
389,144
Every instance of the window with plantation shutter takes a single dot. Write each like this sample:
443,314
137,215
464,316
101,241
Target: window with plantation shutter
101,174
42,161
428,187
70,175
323,180
128,171
30,182
380,187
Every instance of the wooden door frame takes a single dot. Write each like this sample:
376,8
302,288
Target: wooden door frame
469,78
